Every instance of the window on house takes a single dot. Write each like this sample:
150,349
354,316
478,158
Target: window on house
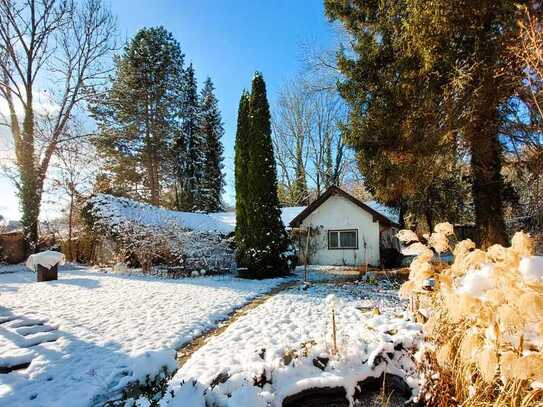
343,239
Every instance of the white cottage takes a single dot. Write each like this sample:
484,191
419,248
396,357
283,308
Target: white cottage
343,230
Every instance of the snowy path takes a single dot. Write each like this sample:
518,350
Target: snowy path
90,333
274,351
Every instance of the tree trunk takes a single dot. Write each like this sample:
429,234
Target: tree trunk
401,215
30,189
487,189
428,215
70,227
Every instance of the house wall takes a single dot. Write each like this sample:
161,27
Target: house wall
336,213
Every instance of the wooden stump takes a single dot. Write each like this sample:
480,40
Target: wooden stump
47,274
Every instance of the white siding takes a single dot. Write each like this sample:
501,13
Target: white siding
338,213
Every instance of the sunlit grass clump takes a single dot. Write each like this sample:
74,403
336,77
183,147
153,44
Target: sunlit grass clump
484,327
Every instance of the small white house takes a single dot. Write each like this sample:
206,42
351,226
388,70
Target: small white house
343,230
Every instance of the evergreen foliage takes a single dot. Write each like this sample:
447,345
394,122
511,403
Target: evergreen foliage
138,116
212,129
424,79
190,155
261,237
241,164
160,140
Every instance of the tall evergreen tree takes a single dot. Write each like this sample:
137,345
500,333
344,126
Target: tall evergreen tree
241,164
138,116
266,240
213,179
189,149
428,77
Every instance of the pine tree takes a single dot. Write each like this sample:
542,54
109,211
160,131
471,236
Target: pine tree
266,240
189,149
212,180
138,116
241,163
424,78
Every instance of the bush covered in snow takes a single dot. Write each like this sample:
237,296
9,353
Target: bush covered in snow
484,328
154,235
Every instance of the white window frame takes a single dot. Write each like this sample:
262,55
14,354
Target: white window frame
339,247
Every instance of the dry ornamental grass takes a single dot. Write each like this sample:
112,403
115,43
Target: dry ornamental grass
484,328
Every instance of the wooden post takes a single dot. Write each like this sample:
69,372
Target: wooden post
366,255
306,253
334,330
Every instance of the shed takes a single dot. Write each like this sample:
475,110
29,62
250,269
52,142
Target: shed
344,230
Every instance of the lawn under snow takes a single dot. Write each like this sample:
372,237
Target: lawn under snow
272,352
90,333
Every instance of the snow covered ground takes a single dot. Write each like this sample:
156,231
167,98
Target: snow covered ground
90,333
284,346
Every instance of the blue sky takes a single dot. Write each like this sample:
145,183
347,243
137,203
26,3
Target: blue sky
227,40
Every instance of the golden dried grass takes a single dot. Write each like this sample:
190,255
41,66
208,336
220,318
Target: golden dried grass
481,349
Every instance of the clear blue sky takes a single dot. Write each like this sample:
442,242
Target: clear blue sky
227,40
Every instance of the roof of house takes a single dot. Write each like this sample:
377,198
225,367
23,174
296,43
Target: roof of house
386,218
287,214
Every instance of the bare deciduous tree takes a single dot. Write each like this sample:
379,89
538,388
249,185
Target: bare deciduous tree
307,139
58,45
73,172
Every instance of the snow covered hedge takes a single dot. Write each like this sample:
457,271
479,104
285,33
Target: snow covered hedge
155,235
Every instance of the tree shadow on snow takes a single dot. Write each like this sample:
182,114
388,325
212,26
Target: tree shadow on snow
80,282
71,369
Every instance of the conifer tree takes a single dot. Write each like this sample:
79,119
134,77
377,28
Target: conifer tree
266,239
241,163
424,78
213,180
189,149
138,116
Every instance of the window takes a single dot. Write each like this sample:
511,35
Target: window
343,239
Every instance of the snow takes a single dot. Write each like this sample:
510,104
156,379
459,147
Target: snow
47,259
296,322
117,210
390,213
90,333
478,281
531,268
287,214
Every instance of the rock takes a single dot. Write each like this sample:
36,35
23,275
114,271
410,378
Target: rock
320,362
318,396
219,379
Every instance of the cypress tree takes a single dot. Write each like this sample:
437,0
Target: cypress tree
266,238
212,129
241,180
